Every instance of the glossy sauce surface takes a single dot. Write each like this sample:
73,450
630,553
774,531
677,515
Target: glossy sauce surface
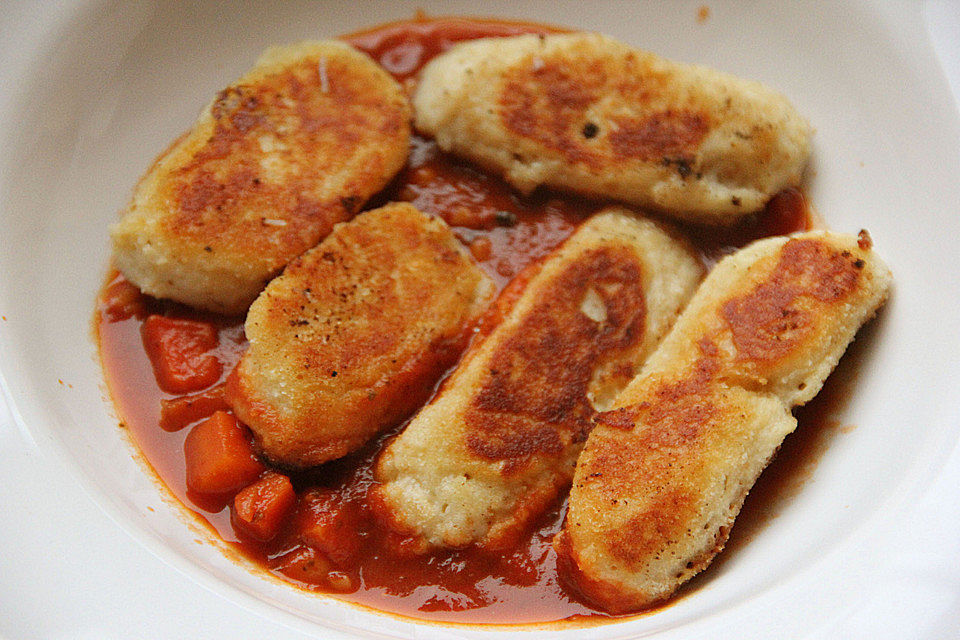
504,232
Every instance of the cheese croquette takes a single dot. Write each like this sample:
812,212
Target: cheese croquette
354,334
498,443
665,472
293,147
584,113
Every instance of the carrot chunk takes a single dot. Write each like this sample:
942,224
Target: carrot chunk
219,456
177,413
328,524
179,351
260,509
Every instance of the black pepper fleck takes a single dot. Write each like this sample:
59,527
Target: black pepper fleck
506,218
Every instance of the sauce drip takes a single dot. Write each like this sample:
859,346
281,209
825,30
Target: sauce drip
505,232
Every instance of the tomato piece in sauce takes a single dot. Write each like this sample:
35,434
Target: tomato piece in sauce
121,300
179,350
329,524
312,568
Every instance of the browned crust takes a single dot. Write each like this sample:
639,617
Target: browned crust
777,316
600,593
222,197
547,100
533,399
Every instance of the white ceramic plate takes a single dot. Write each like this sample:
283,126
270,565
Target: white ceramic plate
91,92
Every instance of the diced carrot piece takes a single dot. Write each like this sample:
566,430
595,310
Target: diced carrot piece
177,413
330,525
121,300
219,456
260,509
179,351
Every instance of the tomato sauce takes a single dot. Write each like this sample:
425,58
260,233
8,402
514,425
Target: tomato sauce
362,563
402,48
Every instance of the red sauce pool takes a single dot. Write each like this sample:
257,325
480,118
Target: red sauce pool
504,232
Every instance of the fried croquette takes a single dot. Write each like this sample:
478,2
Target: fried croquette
293,147
354,334
583,112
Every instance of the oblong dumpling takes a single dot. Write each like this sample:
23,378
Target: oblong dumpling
354,335
296,145
585,113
